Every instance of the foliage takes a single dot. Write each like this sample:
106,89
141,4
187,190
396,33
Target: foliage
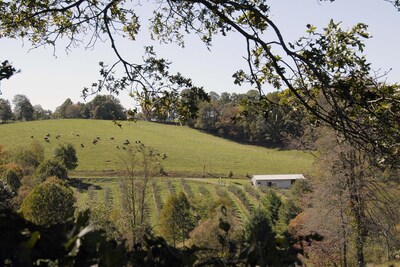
106,108
51,167
23,109
12,179
186,188
66,154
5,110
48,204
69,110
241,195
221,237
176,219
258,231
6,195
142,163
80,244
272,203
28,157
41,114
6,70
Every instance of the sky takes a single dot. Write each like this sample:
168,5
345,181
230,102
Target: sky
49,77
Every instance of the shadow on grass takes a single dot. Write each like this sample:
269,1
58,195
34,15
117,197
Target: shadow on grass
80,185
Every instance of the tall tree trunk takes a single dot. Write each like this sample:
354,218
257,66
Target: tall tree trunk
344,234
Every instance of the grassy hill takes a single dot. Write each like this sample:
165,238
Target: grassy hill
190,152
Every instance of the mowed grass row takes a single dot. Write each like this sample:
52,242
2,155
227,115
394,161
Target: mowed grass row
163,193
189,152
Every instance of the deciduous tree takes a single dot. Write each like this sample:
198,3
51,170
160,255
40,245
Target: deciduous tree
66,154
176,219
142,164
23,109
5,111
51,167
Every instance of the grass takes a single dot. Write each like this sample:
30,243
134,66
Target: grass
190,152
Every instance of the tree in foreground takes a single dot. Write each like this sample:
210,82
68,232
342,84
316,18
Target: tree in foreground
176,219
66,154
142,164
258,232
48,204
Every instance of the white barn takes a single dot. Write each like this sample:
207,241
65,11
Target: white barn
277,180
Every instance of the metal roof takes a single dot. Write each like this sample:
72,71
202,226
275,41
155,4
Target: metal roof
278,177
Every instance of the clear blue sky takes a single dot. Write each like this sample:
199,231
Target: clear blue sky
48,80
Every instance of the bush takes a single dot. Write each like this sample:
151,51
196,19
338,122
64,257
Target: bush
6,195
25,157
48,204
12,179
51,167
66,154
29,157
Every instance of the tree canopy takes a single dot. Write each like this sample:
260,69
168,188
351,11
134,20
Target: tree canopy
23,108
66,154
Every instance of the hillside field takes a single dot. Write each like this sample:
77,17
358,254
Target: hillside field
190,153
196,190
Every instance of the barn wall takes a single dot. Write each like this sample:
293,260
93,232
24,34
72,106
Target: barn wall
276,183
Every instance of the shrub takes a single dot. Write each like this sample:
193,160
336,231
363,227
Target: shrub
66,154
51,167
49,203
6,195
12,179
28,157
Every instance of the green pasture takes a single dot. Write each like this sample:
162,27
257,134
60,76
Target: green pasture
190,153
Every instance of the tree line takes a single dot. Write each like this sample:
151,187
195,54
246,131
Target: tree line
241,117
103,107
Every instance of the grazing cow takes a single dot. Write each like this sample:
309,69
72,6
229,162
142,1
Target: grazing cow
31,136
95,141
46,139
127,142
112,138
82,145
